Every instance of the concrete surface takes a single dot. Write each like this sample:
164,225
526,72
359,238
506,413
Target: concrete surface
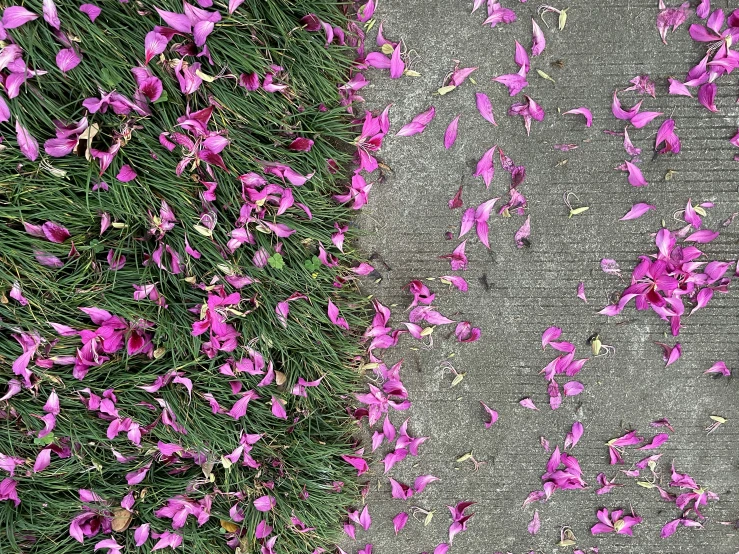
603,46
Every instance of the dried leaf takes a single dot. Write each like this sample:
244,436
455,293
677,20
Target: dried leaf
545,76
121,520
444,90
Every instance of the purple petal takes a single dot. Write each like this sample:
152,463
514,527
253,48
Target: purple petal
91,10
51,15
15,16
399,521
642,119
418,124
637,210
528,403
485,107
265,503
581,292
538,42
523,233
126,174
515,82
707,96
678,88
535,523
26,142
573,388
492,413
450,135
397,67
486,167
702,237
719,367
584,112
67,59
636,178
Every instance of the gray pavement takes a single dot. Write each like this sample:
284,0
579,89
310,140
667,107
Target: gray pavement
604,45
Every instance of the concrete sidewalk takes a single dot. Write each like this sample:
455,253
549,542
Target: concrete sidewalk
515,294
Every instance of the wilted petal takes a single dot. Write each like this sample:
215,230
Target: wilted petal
535,523
528,403
522,235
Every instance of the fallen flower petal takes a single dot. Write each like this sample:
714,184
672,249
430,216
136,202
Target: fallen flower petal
535,523
637,210
584,112
418,124
450,135
492,413
529,404
720,368
485,107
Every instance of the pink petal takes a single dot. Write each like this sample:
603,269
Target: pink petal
91,10
528,403
51,15
538,42
422,482
585,112
581,292
67,59
399,521
126,174
265,503
707,96
523,233
450,135
637,210
701,237
636,178
643,118
26,142
535,523
397,67
15,16
573,388
551,334
486,167
719,367
492,413
418,124
485,107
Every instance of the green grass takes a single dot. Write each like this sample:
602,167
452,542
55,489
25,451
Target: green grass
303,451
